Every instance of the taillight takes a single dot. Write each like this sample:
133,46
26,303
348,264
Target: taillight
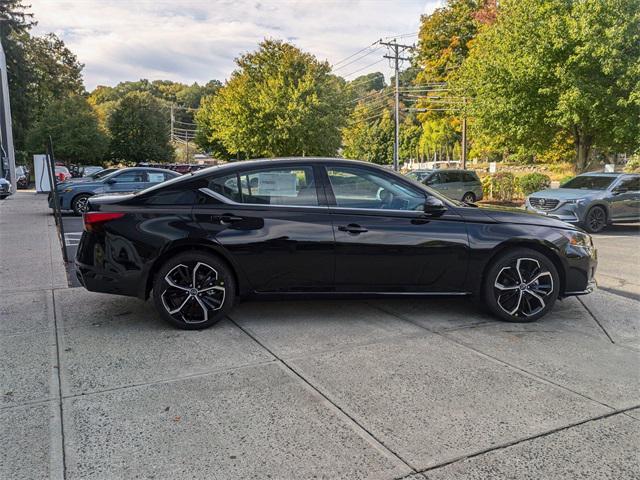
94,219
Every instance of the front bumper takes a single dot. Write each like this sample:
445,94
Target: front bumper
562,213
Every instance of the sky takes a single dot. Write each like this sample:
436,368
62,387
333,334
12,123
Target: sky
197,40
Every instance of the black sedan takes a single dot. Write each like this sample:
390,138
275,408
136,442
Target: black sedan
322,227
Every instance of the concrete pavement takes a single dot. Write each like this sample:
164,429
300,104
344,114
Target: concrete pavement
96,386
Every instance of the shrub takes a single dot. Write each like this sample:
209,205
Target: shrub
500,186
532,182
633,165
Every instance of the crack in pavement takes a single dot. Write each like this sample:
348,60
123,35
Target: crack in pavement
533,437
368,433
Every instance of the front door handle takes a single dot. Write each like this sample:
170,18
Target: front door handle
352,228
228,219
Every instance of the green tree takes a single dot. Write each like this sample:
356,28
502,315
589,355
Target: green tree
139,127
559,67
280,101
369,136
205,137
74,128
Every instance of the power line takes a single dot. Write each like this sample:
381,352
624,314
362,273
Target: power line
363,68
354,54
356,59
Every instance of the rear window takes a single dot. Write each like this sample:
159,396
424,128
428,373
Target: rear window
470,177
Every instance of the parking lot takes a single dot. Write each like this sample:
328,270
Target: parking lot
96,386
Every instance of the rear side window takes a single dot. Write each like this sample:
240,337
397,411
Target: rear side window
470,177
226,186
279,186
451,177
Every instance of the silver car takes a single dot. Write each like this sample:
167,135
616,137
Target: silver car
461,185
591,200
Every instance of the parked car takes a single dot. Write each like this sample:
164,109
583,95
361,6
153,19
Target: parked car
5,188
22,176
89,170
94,176
591,200
74,195
461,185
62,173
322,226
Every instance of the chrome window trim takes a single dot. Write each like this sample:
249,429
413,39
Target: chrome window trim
228,201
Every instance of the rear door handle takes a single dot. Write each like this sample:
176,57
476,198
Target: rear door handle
352,228
228,219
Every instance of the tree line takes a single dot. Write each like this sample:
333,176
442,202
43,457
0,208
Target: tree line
538,81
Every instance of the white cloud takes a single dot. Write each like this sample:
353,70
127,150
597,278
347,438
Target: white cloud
197,40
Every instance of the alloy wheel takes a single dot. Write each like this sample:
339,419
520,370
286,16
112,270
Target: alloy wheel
469,198
596,219
521,288
82,204
192,292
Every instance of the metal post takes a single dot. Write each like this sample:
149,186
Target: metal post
56,201
396,143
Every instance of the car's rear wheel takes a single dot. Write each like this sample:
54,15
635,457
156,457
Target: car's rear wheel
80,204
194,290
521,285
469,197
595,220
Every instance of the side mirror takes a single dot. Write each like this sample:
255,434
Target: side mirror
434,206
110,181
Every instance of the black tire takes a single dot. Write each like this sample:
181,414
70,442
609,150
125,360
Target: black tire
80,204
469,197
520,298
190,308
595,220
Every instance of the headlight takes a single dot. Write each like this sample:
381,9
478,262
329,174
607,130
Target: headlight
578,239
577,201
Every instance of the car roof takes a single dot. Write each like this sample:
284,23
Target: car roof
243,164
602,174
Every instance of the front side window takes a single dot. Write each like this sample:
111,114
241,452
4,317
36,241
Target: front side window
363,188
631,184
279,186
132,176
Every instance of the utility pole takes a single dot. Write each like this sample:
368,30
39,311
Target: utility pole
396,50
172,120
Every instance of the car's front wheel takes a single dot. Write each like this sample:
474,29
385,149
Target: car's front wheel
194,290
595,220
80,204
521,285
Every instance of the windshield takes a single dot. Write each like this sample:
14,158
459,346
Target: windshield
103,173
419,176
589,182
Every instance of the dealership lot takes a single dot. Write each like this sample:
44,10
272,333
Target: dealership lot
96,386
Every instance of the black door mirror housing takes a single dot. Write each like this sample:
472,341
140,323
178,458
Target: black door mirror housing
619,190
434,206
110,181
